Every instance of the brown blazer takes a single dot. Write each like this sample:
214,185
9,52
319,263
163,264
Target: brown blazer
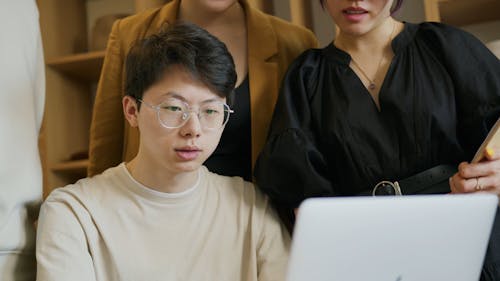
272,45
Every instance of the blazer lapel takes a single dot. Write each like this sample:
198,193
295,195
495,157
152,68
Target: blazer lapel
263,74
167,14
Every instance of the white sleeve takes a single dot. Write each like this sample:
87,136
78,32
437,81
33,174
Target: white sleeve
61,246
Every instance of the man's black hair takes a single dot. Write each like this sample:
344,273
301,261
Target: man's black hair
185,45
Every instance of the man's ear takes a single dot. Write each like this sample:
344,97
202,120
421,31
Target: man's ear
130,110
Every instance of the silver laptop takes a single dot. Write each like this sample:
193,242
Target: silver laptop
403,238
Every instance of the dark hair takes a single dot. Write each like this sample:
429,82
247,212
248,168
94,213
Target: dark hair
394,8
182,44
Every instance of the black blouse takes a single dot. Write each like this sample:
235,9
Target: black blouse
233,155
440,96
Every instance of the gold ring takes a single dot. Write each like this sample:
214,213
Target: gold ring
478,187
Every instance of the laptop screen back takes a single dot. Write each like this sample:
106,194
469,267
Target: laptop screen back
407,238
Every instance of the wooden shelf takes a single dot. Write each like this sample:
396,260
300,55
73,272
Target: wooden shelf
462,12
71,167
84,66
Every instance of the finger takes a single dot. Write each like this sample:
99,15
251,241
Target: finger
453,189
488,184
481,169
466,185
488,191
462,168
459,184
472,185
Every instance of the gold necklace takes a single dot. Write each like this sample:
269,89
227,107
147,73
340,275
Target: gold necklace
372,85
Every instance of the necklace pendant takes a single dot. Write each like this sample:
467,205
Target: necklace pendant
371,86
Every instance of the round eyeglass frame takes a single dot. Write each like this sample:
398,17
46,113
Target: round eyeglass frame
189,112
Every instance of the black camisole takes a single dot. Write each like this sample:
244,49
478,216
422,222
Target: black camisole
232,157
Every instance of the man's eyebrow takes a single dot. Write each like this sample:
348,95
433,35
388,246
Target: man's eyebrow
178,96
174,95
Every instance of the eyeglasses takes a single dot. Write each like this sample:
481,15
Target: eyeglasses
174,113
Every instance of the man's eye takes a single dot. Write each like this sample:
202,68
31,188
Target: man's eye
211,111
172,108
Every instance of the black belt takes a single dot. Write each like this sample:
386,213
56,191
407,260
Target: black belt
431,181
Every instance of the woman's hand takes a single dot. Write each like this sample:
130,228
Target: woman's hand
479,177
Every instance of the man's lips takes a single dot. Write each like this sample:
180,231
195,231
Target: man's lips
188,153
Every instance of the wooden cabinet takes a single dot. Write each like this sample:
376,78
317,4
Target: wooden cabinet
72,73
462,12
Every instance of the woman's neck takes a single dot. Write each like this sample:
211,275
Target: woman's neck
377,40
228,25
211,20
161,179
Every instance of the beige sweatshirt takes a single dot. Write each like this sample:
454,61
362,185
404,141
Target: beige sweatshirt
110,227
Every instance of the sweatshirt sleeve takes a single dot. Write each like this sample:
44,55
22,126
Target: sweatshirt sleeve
61,248
107,128
273,246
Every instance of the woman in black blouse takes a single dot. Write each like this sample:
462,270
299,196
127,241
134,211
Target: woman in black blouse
386,101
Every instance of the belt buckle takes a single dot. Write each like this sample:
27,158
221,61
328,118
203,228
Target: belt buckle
394,185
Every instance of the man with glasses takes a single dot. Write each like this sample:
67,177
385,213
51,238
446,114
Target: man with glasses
163,215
